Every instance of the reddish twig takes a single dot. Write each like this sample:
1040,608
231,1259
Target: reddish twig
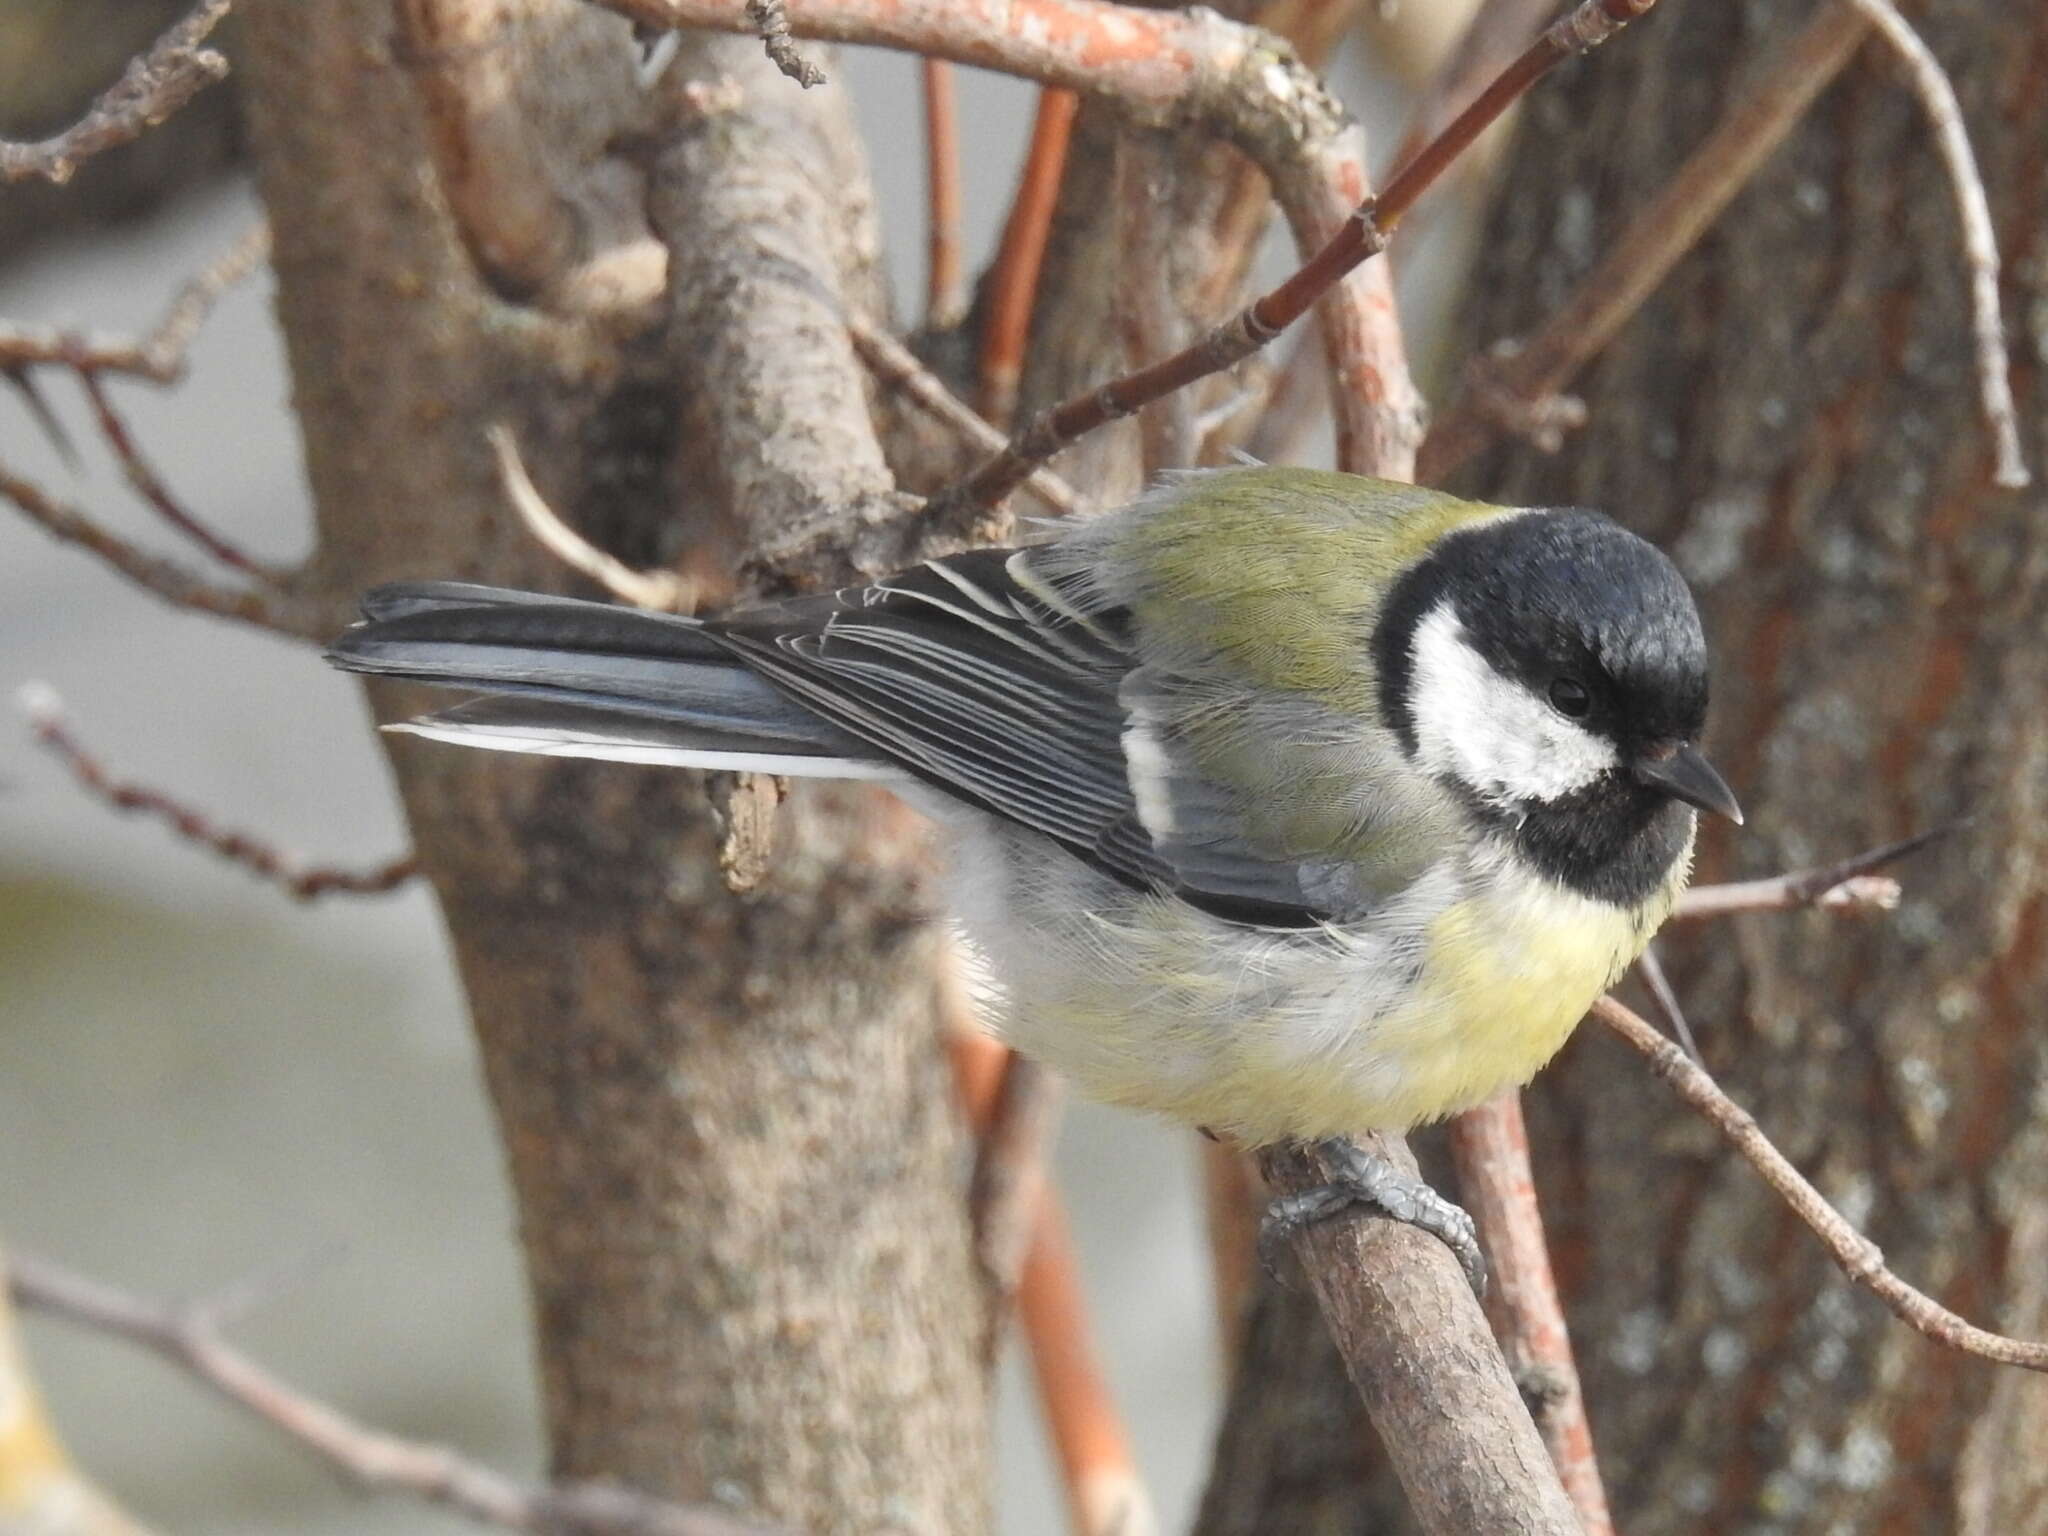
1858,1257
301,881
272,607
1008,1185
1013,279
1105,1494
189,1337
945,286
1848,883
1362,235
155,84
897,366
1490,1145
1231,1206
160,356
1497,32
149,485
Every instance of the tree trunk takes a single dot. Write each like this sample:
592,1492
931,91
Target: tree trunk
1794,416
724,1112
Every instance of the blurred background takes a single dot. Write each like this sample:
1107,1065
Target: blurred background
200,1079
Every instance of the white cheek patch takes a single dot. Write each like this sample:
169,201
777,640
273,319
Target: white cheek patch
1487,731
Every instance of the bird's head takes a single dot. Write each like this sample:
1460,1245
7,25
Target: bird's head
1550,665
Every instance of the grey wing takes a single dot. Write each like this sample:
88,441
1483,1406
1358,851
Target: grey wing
976,674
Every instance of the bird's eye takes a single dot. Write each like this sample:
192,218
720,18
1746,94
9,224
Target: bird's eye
1569,697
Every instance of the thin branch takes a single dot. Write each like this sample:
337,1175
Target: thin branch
1419,1351
154,85
1105,1494
149,485
274,608
189,1337
897,366
1858,1257
1362,235
1937,98
663,591
1520,389
1490,1145
1665,996
1498,30
945,291
770,19
1013,279
160,356
301,881
1848,883
1231,1206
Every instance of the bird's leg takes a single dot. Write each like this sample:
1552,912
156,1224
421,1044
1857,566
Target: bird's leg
1359,1177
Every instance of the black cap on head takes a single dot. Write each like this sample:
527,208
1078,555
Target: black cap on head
1563,599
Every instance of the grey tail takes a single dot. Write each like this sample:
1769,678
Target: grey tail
564,678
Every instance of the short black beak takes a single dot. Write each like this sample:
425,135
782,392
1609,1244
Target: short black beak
1684,774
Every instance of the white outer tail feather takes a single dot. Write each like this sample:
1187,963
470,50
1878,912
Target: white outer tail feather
501,738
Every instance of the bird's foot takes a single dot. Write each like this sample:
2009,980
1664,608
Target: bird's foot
1365,1178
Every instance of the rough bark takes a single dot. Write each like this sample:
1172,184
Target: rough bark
724,1111
1794,418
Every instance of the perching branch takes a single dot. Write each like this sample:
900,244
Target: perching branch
154,85
1419,1351
189,1337
301,881
1858,1257
770,19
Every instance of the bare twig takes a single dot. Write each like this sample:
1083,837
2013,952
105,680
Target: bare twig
1498,30
1013,279
1364,234
1858,1257
1401,1312
1105,1494
1937,97
302,881
273,607
897,366
1519,389
1848,883
663,591
1231,1206
1665,996
189,1337
770,18
149,485
1151,319
154,85
1490,1145
945,287
160,356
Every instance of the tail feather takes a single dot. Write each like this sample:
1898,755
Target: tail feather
569,678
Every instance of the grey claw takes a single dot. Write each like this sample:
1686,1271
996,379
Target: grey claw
1362,1178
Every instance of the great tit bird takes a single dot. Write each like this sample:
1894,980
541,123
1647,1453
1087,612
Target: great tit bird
1288,804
